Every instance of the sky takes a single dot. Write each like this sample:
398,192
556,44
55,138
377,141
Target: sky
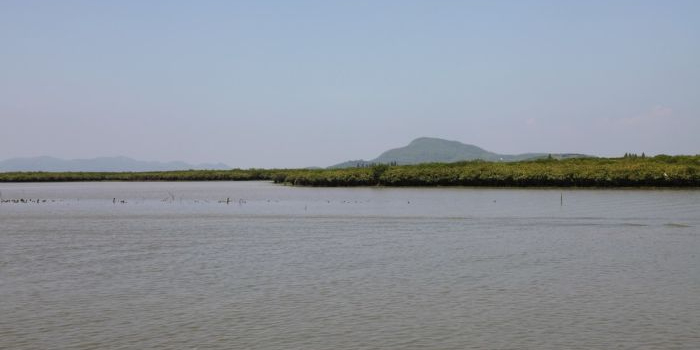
314,83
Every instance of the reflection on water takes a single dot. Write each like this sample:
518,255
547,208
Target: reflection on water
177,265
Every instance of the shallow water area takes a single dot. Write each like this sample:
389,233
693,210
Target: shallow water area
257,265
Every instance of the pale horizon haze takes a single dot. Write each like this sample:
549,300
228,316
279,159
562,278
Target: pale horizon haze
315,83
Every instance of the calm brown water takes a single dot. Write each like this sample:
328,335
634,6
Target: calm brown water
365,268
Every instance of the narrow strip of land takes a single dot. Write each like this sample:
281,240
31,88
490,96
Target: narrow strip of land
659,171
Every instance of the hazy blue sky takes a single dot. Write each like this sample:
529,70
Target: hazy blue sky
301,83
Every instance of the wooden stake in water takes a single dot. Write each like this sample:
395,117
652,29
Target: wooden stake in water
561,199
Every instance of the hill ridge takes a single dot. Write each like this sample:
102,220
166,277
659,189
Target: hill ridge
437,150
98,164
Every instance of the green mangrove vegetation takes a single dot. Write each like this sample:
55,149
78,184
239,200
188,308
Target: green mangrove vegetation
628,171
184,175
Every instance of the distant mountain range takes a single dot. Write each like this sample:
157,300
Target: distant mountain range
109,164
420,150
434,150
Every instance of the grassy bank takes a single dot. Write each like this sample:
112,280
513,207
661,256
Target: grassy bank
659,171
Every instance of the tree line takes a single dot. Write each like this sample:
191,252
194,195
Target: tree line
661,171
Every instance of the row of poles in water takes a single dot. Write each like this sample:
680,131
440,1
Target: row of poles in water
171,198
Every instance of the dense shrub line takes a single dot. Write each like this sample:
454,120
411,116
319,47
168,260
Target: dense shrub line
185,175
659,171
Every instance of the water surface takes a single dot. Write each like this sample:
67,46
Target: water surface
175,266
